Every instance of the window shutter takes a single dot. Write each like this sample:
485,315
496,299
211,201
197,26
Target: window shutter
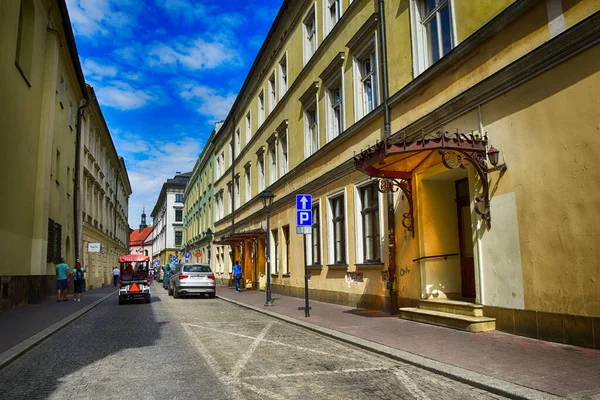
50,248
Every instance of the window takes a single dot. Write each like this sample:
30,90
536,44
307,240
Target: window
61,91
272,92
261,107
283,154
248,127
283,76
274,252
178,238
71,124
333,13
261,173
368,224
53,252
178,197
335,109
310,36
272,164
230,153
433,28
238,141
25,30
337,229
313,241
311,129
224,167
237,191
57,167
366,84
248,184
178,215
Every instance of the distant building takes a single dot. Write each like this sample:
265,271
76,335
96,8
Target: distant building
167,219
140,240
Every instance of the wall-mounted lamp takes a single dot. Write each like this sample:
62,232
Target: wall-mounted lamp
493,154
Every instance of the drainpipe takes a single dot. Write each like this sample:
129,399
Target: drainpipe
387,133
77,212
232,175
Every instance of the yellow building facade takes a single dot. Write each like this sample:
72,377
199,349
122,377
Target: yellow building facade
386,112
43,96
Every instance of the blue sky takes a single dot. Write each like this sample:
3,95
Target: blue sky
164,72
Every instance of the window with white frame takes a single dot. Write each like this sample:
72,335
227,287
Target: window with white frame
332,14
283,76
310,35
313,241
274,245
433,31
248,184
272,163
229,195
237,191
368,223
230,153
283,153
337,229
335,108
218,168
366,81
248,127
261,107
261,172
238,141
311,129
272,92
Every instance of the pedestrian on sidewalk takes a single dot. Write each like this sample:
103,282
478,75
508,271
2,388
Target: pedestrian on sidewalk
77,282
116,273
62,280
237,275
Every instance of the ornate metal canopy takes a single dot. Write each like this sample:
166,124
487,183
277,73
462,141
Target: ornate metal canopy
394,164
238,237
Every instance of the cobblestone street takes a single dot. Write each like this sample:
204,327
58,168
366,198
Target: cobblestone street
207,348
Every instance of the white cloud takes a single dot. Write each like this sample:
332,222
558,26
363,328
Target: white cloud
96,71
185,11
195,53
124,96
103,17
207,101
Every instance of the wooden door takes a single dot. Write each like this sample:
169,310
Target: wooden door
465,239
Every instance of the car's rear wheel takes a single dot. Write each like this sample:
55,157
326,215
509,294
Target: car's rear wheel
212,295
175,293
121,301
170,292
148,299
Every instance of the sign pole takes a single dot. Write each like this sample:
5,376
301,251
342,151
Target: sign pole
306,306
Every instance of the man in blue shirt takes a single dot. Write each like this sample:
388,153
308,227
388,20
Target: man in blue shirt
237,275
62,280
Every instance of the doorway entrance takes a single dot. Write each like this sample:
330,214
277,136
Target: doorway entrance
465,239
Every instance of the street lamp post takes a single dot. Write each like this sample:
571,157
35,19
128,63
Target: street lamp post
267,199
209,235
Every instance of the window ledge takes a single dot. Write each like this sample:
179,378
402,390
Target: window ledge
373,265
315,266
286,275
340,266
274,275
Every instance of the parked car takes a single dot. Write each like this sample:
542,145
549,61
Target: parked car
193,278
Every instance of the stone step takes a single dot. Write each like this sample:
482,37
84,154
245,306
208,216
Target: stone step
452,307
456,321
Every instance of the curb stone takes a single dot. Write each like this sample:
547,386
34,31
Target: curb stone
18,350
481,381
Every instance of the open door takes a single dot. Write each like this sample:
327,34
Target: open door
465,239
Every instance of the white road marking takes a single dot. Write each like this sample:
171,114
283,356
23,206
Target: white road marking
324,353
246,355
410,385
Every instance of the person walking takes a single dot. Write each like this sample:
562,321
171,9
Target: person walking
237,275
77,282
116,273
62,280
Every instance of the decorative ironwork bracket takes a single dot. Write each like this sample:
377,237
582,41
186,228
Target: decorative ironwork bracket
457,158
392,185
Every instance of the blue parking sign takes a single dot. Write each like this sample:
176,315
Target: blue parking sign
304,210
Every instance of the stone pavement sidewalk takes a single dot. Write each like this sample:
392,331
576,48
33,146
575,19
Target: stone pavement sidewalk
20,325
550,367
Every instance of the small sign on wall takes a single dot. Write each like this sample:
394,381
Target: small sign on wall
94,247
